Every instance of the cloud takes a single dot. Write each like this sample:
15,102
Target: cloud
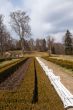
48,17
6,7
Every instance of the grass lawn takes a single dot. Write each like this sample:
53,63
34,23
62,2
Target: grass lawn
30,53
64,57
35,54
63,62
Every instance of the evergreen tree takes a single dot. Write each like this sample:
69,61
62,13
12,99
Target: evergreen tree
68,43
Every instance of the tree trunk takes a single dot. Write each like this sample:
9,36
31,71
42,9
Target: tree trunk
1,47
22,45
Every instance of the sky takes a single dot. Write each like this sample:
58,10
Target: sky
48,17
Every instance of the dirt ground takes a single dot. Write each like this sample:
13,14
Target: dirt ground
65,75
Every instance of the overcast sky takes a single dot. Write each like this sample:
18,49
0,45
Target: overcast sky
48,17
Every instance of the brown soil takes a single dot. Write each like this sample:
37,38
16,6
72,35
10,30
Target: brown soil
12,82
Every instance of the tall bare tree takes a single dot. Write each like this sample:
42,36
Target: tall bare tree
20,24
50,43
2,33
31,44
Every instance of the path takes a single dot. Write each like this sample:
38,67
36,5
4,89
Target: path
66,79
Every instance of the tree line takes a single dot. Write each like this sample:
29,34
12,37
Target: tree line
19,22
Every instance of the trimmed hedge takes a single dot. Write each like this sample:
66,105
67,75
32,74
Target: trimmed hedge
64,63
10,68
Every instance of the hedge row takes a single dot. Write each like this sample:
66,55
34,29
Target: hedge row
10,68
64,63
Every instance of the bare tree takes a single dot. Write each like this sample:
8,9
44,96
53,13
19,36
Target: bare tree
38,45
41,45
20,24
50,43
2,33
31,44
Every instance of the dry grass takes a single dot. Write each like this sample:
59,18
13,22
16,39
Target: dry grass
47,96
66,63
30,53
4,63
21,98
64,57
35,54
